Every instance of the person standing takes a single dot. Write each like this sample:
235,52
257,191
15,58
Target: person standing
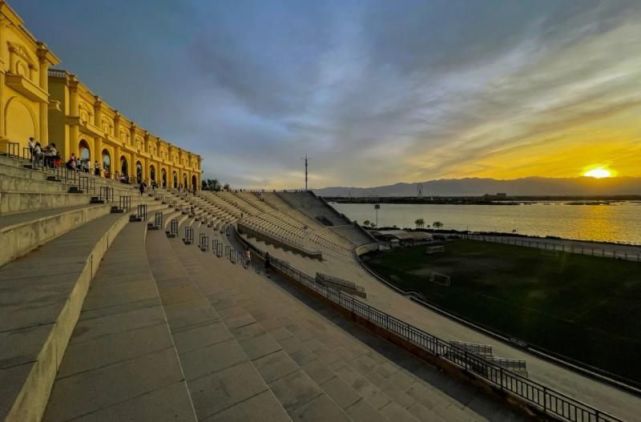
96,169
142,187
36,155
31,144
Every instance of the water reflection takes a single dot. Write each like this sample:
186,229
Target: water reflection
619,222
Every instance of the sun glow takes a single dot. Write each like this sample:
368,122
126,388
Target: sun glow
598,173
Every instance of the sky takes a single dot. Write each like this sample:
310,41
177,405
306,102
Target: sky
375,92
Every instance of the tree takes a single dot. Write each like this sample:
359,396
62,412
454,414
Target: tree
366,223
437,224
420,223
226,187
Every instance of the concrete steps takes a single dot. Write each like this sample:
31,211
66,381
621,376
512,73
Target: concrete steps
15,202
221,379
25,231
21,233
313,367
42,294
121,362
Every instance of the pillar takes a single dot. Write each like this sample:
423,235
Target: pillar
3,25
97,150
43,71
71,143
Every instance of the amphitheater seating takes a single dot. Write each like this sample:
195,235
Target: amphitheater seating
52,243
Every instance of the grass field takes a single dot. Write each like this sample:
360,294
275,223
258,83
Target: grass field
581,307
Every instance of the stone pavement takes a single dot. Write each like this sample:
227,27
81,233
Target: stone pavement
296,357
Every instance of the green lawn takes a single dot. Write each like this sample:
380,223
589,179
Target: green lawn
585,308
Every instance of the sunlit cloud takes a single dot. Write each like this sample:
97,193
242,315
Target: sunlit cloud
375,92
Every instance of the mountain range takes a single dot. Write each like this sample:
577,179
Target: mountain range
529,186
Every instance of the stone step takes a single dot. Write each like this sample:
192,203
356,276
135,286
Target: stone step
21,184
21,233
15,202
121,363
42,295
390,382
220,376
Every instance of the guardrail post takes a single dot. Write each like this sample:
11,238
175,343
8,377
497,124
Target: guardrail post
545,400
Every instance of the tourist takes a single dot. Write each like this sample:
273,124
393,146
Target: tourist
248,258
51,155
72,164
36,155
142,187
96,169
31,145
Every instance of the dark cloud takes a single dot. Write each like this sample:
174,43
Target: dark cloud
375,91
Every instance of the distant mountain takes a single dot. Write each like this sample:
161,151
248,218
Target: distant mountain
529,186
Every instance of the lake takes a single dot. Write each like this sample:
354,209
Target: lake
617,222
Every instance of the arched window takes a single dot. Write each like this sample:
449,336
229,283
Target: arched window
152,173
175,180
84,154
194,180
164,178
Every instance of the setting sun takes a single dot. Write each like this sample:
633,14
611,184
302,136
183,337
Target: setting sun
598,173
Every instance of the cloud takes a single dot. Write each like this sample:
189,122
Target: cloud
375,92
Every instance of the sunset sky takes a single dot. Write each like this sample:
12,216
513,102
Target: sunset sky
376,92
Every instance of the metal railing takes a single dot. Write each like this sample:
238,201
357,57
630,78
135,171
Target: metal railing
549,401
560,246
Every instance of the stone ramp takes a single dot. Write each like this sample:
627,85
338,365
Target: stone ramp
121,363
41,295
318,364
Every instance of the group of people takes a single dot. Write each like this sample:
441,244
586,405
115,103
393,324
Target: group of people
47,156
77,164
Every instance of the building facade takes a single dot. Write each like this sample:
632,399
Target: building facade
84,125
52,105
24,94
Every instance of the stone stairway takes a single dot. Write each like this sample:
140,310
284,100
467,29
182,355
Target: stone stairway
318,365
42,294
121,362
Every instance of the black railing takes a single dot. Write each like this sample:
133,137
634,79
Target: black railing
547,400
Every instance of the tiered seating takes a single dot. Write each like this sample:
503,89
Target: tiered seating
317,209
52,243
275,233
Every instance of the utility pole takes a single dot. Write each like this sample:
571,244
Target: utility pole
306,165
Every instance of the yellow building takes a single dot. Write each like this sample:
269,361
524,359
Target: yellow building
24,96
52,105
84,125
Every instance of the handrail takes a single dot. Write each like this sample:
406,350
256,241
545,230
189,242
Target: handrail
551,402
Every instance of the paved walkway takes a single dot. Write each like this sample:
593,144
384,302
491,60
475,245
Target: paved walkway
313,362
580,387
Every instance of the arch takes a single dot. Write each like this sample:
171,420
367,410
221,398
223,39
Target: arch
163,174
106,163
84,152
124,168
175,180
194,182
139,172
185,184
21,122
152,172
